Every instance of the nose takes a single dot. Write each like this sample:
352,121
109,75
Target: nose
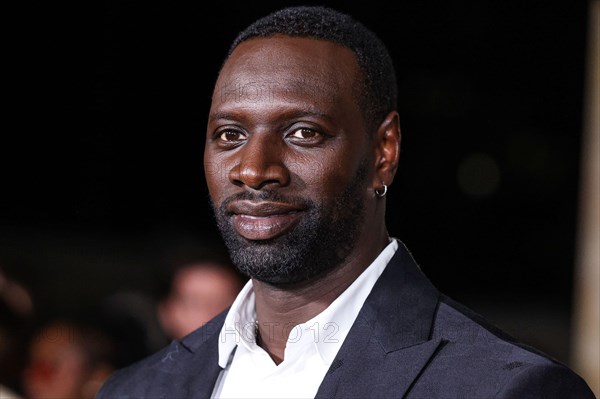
260,164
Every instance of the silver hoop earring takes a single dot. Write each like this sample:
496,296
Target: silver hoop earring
381,192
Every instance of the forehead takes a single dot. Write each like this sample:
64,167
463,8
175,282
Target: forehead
291,68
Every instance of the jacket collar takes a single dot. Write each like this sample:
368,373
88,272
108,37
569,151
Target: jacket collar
390,340
202,368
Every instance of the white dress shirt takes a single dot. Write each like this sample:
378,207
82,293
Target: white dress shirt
248,370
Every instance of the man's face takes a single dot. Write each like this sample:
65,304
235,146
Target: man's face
287,159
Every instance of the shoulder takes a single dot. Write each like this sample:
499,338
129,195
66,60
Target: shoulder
158,374
476,356
129,381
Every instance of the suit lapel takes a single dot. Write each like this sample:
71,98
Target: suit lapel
202,366
389,338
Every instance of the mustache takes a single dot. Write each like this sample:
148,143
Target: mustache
265,196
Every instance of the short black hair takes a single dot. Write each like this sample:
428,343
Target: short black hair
378,90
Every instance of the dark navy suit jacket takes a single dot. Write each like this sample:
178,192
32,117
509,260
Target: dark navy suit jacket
408,341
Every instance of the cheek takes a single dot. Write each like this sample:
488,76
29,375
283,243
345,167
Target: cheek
325,175
216,175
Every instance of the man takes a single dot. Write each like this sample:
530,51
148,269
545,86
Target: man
302,142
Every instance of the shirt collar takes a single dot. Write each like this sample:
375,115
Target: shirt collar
239,325
331,326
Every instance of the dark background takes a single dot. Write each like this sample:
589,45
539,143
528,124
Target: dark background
102,176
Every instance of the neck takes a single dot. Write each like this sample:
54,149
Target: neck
279,309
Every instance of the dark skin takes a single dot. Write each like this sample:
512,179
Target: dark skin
284,117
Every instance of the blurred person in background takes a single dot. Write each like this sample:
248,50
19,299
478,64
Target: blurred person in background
129,317
195,289
70,354
68,358
16,318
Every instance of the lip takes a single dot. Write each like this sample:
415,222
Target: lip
263,220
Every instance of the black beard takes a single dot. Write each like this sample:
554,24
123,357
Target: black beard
319,243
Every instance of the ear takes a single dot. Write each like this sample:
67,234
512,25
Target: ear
387,150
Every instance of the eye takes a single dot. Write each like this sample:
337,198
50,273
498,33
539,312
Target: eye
231,135
305,134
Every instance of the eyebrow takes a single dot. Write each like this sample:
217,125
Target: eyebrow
286,115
